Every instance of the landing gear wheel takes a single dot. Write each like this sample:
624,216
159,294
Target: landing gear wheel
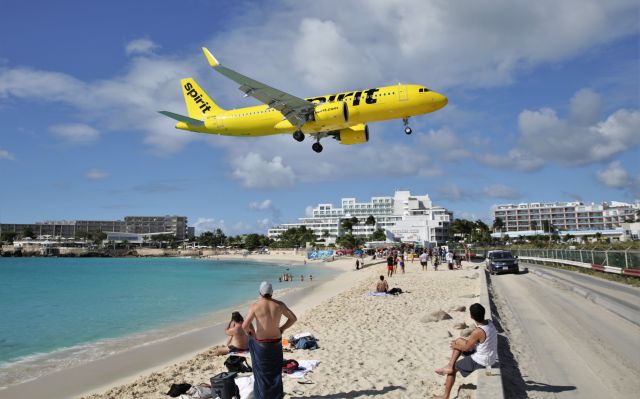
407,129
298,136
317,147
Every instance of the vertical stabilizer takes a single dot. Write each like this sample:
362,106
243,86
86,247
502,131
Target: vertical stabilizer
199,104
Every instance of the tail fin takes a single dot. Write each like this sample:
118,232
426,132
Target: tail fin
199,104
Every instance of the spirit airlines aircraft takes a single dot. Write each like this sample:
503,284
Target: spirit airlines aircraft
343,116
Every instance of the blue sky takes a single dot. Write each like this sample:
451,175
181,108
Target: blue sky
544,105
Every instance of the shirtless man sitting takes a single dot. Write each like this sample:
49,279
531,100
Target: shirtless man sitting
382,285
238,339
265,343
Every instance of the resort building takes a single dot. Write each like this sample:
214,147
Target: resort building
573,218
174,225
405,217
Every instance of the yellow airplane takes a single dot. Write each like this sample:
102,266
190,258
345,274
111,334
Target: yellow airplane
343,116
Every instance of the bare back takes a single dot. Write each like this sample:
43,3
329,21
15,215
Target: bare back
268,313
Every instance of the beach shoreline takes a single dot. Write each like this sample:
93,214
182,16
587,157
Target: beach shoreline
123,367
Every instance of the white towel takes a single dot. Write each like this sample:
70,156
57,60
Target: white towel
245,385
307,365
378,294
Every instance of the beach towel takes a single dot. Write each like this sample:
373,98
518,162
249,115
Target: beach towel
378,294
245,384
266,359
306,366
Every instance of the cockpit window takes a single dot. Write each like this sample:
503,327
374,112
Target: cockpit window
423,90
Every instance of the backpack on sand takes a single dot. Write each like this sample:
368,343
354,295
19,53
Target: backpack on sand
238,364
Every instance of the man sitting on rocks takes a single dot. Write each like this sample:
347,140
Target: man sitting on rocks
480,350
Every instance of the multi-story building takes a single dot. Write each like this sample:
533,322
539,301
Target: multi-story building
408,217
176,225
535,217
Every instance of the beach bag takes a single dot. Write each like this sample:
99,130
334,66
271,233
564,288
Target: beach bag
290,366
200,391
178,389
307,343
238,364
223,385
395,291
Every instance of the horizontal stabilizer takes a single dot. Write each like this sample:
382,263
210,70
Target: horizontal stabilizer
182,118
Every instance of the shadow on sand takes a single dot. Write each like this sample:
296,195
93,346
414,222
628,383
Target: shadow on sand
352,394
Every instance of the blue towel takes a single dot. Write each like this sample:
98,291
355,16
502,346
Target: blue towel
266,360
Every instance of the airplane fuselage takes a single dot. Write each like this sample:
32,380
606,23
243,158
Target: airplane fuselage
372,105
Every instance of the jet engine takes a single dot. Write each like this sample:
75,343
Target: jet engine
335,112
358,134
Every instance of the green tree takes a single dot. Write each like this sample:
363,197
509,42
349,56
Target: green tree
349,241
498,224
28,232
8,237
534,225
98,237
371,221
378,235
252,241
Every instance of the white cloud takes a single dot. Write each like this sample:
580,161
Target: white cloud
261,206
614,176
203,224
264,223
76,133
545,135
4,154
514,159
140,46
308,211
254,171
577,140
96,174
501,191
445,143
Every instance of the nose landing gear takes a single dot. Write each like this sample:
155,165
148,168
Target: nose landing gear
407,129
317,147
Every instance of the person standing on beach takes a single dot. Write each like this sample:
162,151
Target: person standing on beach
480,350
423,260
389,265
265,344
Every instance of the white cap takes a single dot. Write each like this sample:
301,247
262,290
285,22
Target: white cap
266,288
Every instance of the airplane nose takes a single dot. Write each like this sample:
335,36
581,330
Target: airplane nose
439,100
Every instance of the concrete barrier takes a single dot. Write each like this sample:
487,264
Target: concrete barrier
489,387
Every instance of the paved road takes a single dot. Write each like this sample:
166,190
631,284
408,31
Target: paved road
565,345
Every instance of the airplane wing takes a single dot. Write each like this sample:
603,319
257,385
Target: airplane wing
295,109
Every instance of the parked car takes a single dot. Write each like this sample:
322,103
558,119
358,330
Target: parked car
501,262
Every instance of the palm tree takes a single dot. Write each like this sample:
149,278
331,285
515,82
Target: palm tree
371,221
498,224
534,225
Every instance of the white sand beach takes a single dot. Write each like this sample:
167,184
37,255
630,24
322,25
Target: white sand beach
369,346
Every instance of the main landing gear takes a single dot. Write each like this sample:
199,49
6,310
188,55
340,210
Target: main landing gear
317,147
407,129
298,136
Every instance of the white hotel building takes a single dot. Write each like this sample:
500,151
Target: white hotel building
573,218
405,217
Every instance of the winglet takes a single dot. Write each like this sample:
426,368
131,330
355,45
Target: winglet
212,60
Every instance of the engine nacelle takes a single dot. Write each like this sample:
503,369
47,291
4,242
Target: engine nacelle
354,135
336,112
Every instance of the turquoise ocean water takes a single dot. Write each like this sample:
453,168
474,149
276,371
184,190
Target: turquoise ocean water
61,312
